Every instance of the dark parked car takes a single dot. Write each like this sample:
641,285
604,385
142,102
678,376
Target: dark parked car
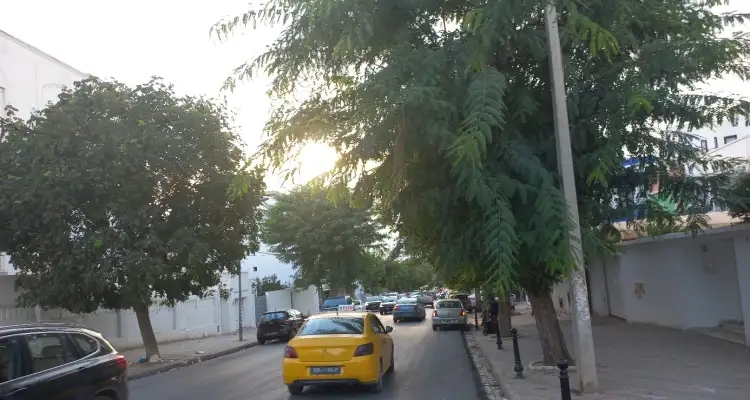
373,303
386,306
410,308
281,325
59,362
465,301
333,303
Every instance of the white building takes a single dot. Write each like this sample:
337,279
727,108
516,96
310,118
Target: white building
29,79
679,281
720,140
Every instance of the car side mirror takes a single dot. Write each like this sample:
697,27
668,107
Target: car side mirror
388,329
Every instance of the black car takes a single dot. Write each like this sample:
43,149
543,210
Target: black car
386,306
59,362
465,301
282,325
333,303
373,303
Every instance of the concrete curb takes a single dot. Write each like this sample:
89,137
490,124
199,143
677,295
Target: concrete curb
534,367
492,389
190,361
497,372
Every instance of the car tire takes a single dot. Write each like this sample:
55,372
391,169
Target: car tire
261,341
382,313
295,389
395,320
377,387
434,328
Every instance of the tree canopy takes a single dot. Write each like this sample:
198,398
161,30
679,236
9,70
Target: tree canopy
268,283
389,275
114,196
326,242
442,114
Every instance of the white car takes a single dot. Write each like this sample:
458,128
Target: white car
449,313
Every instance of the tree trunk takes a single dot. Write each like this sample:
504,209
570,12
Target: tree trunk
548,327
503,317
147,331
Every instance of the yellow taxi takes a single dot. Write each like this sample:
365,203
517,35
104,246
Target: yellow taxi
339,348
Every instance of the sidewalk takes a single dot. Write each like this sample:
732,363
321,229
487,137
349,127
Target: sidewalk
187,352
634,361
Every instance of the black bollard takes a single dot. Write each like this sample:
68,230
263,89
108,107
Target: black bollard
517,366
499,335
564,379
476,320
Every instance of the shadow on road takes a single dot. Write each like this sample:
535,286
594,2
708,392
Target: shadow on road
345,391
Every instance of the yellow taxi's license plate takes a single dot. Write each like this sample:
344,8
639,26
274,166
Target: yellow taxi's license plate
325,370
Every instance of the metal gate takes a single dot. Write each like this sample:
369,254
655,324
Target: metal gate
261,306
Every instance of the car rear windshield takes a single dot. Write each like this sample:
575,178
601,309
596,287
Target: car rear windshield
334,301
333,326
449,304
462,296
408,300
369,299
389,299
274,316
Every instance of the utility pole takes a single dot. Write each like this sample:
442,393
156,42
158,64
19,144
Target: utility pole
583,337
239,301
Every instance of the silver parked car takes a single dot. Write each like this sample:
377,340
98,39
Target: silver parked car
449,313
428,299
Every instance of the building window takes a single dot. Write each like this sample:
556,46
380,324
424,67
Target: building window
730,138
716,142
704,144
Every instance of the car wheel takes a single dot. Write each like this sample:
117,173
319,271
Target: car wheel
382,313
434,328
261,341
295,389
395,320
377,387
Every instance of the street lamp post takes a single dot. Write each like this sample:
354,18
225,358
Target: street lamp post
582,334
239,301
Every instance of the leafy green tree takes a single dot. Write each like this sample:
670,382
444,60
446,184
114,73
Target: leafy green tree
326,242
442,114
736,198
389,275
266,284
116,197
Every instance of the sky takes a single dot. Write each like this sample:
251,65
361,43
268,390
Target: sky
134,40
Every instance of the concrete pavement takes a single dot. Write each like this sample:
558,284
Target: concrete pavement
634,362
186,352
429,365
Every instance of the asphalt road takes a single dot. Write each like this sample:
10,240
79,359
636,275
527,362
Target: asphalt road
429,365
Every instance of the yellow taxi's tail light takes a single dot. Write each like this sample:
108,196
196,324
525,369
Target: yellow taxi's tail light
364,350
290,352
